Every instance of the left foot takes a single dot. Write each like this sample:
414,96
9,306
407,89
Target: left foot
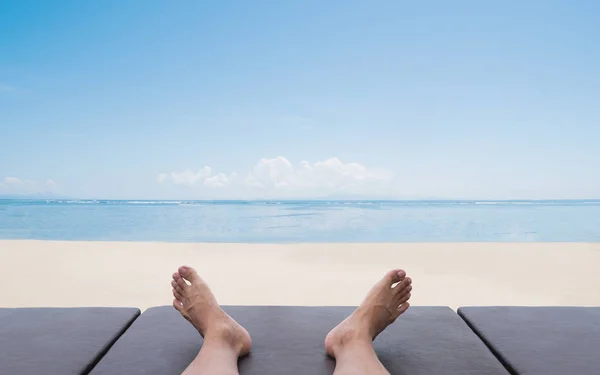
198,305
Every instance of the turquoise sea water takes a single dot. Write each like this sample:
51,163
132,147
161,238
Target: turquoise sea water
300,221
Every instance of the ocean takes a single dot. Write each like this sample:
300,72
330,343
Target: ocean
301,221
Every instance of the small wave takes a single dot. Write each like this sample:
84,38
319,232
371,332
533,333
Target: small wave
292,215
60,201
154,202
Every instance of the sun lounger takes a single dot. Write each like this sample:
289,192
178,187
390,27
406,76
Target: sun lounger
58,341
540,340
289,340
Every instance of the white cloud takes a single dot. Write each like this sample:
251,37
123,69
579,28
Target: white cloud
14,185
220,180
187,177
330,174
279,176
277,172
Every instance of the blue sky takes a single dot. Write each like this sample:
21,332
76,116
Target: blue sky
240,99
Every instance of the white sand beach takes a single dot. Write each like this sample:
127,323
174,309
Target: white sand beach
57,273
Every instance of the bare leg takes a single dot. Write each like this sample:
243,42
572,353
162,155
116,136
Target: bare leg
224,339
351,342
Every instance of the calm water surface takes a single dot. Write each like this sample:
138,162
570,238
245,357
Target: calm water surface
300,221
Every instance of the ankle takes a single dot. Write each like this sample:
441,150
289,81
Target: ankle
227,334
358,333
220,331
349,336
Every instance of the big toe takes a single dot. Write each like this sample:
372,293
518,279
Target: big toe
188,273
394,276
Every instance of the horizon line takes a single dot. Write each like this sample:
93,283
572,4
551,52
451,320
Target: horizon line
303,199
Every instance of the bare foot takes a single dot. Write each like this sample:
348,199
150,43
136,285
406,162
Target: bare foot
198,305
382,306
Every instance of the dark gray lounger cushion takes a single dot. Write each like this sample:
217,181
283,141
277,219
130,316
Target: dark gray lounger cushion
289,340
540,340
58,341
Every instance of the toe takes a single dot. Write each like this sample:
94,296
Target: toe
176,286
403,285
188,273
177,305
394,276
177,276
400,296
177,295
404,299
402,308
180,282
401,291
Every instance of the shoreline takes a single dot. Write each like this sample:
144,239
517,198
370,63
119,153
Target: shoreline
96,273
296,243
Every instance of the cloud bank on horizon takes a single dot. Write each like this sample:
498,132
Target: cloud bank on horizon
279,177
17,186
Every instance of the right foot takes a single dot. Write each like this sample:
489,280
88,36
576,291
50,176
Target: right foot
198,305
382,306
